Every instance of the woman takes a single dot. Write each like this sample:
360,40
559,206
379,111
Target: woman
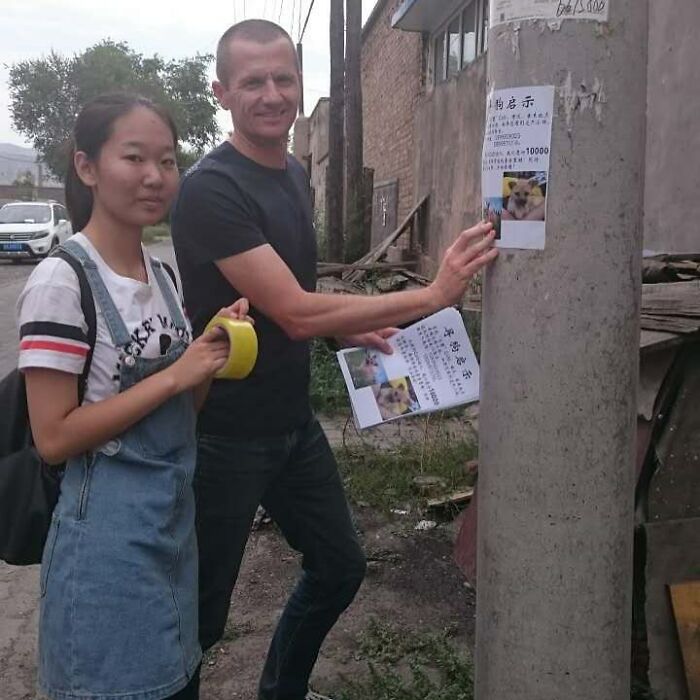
119,572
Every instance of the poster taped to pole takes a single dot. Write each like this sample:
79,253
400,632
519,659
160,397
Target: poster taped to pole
515,164
503,11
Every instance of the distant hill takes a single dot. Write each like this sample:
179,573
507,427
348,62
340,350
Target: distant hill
17,160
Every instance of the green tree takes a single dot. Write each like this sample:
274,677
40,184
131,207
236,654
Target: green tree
47,93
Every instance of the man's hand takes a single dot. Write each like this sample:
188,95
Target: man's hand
238,311
375,339
472,251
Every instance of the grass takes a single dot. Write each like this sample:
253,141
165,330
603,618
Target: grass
404,665
384,478
472,322
328,392
151,234
407,665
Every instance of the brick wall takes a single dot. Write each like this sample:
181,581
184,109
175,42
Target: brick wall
392,85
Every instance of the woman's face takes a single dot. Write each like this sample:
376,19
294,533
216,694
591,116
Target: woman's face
135,176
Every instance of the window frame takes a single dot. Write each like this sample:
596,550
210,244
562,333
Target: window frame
481,41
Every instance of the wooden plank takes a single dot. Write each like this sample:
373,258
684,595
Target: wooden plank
672,309
690,268
685,598
324,268
671,290
424,281
669,545
655,340
333,285
670,324
673,257
379,251
454,499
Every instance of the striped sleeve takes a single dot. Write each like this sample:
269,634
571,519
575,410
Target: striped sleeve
52,328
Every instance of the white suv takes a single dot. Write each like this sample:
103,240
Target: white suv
31,229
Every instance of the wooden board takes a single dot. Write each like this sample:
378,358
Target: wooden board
669,556
671,290
454,499
670,324
378,252
686,609
655,340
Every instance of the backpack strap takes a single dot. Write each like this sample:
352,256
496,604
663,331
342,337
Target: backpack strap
171,300
87,304
171,274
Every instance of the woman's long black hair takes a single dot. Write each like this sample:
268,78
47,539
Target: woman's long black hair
92,130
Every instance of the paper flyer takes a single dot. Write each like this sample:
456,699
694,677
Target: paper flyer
433,367
502,11
515,164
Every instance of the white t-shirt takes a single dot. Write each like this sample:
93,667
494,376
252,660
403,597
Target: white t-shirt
53,330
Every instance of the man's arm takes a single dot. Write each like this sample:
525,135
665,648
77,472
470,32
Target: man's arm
262,276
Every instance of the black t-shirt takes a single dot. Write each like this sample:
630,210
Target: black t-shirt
229,204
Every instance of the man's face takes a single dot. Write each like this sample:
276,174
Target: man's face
263,89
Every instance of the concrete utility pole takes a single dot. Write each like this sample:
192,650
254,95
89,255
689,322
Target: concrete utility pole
356,237
336,136
559,376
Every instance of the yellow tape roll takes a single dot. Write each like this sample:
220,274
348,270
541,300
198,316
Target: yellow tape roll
243,347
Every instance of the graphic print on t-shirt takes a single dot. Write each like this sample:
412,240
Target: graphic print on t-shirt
152,338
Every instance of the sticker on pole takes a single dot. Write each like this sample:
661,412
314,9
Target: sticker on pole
503,11
515,164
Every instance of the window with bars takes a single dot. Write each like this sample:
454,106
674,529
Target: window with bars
459,41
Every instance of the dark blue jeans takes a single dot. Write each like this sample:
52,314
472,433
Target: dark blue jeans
295,477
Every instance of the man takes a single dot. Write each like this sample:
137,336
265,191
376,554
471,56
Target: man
242,226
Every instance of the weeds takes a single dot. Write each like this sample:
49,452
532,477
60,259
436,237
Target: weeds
405,665
328,392
410,666
472,322
383,478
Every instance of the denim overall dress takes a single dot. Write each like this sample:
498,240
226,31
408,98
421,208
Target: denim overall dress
118,616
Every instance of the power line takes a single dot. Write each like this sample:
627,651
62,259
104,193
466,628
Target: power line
291,21
279,16
308,14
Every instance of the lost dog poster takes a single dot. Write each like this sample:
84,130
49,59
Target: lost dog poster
515,164
433,367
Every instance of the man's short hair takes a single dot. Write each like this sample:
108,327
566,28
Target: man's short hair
258,30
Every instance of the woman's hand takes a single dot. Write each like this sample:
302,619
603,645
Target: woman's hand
201,361
208,354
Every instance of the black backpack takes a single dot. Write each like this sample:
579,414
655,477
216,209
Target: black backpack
29,487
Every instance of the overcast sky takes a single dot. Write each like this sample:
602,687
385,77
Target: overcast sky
170,28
